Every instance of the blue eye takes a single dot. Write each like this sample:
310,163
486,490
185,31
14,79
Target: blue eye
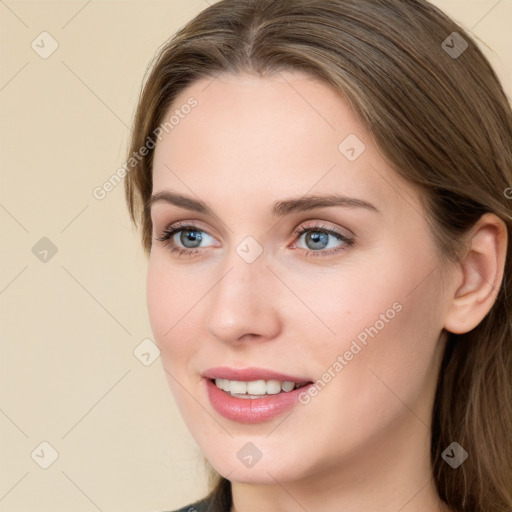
319,238
187,240
190,238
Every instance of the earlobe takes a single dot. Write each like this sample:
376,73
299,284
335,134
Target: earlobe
481,271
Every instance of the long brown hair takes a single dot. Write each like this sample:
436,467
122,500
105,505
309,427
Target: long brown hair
439,115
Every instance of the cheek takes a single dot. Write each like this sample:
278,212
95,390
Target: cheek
387,326
389,305
159,300
170,297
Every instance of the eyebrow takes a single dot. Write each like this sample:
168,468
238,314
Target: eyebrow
279,209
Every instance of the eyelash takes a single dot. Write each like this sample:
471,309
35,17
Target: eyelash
166,239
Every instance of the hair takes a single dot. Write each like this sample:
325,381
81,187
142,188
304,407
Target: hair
441,120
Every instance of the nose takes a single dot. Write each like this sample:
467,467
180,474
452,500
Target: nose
244,304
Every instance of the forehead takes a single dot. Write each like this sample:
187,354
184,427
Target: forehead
262,115
279,135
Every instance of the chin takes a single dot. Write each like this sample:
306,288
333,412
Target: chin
243,465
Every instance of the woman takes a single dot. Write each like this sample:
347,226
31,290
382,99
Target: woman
324,194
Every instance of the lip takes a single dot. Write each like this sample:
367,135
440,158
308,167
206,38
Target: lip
248,410
249,374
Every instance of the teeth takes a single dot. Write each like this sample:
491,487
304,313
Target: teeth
255,388
237,387
223,384
287,386
273,387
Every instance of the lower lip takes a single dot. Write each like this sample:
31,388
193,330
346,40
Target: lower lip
252,410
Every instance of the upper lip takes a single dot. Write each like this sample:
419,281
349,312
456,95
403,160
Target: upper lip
251,374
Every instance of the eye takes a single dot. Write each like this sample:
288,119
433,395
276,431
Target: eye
322,240
185,239
319,240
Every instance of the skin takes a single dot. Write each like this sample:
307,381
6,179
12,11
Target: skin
362,444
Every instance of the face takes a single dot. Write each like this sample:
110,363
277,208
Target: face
285,248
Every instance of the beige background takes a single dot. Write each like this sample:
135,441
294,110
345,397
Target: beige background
69,326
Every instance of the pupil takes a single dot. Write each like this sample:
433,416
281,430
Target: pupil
318,239
190,238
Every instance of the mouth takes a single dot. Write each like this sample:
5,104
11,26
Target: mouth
253,395
256,389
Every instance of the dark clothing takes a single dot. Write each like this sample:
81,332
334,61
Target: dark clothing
219,500
204,505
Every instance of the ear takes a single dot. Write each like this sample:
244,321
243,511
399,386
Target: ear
481,273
